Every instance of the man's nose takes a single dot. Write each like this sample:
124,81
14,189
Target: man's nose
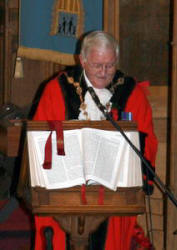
103,70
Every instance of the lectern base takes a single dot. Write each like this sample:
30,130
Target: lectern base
79,228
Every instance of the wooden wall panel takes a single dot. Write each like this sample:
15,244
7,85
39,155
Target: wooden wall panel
144,39
24,89
158,239
158,98
111,17
11,43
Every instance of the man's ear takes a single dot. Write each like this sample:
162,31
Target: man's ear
82,61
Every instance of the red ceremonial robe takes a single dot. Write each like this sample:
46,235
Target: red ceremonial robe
120,229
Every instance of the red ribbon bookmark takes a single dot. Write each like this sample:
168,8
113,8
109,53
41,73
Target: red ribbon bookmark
57,126
83,194
101,195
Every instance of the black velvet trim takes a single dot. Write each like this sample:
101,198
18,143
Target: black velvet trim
148,188
77,73
142,141
122,93
146,172
118,74
72,100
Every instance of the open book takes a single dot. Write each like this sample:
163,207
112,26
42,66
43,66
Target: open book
91,155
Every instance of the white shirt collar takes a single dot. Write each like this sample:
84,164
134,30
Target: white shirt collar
93,112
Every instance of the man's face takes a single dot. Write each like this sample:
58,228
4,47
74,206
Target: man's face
100,66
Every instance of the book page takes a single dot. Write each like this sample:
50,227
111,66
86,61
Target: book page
135,177
109,160
66,171
35,173
101,151
130,173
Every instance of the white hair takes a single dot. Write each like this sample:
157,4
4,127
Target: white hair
101,40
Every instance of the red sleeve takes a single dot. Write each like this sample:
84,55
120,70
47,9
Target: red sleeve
139,105
51,105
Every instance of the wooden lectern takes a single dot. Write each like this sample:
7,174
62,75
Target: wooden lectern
65,204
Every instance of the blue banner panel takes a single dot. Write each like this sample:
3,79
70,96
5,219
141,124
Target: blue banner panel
49,30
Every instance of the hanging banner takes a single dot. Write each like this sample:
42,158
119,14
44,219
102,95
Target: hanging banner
50,30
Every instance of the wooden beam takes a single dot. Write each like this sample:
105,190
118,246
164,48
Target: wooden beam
171,209
111,17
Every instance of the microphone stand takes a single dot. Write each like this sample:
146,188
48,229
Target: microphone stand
157,180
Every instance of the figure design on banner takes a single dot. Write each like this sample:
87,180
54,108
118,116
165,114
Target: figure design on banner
67,24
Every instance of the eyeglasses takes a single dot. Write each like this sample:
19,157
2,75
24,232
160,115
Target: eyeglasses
100,67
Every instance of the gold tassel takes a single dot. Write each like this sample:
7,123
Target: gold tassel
18,68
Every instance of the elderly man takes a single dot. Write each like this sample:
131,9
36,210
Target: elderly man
68,97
